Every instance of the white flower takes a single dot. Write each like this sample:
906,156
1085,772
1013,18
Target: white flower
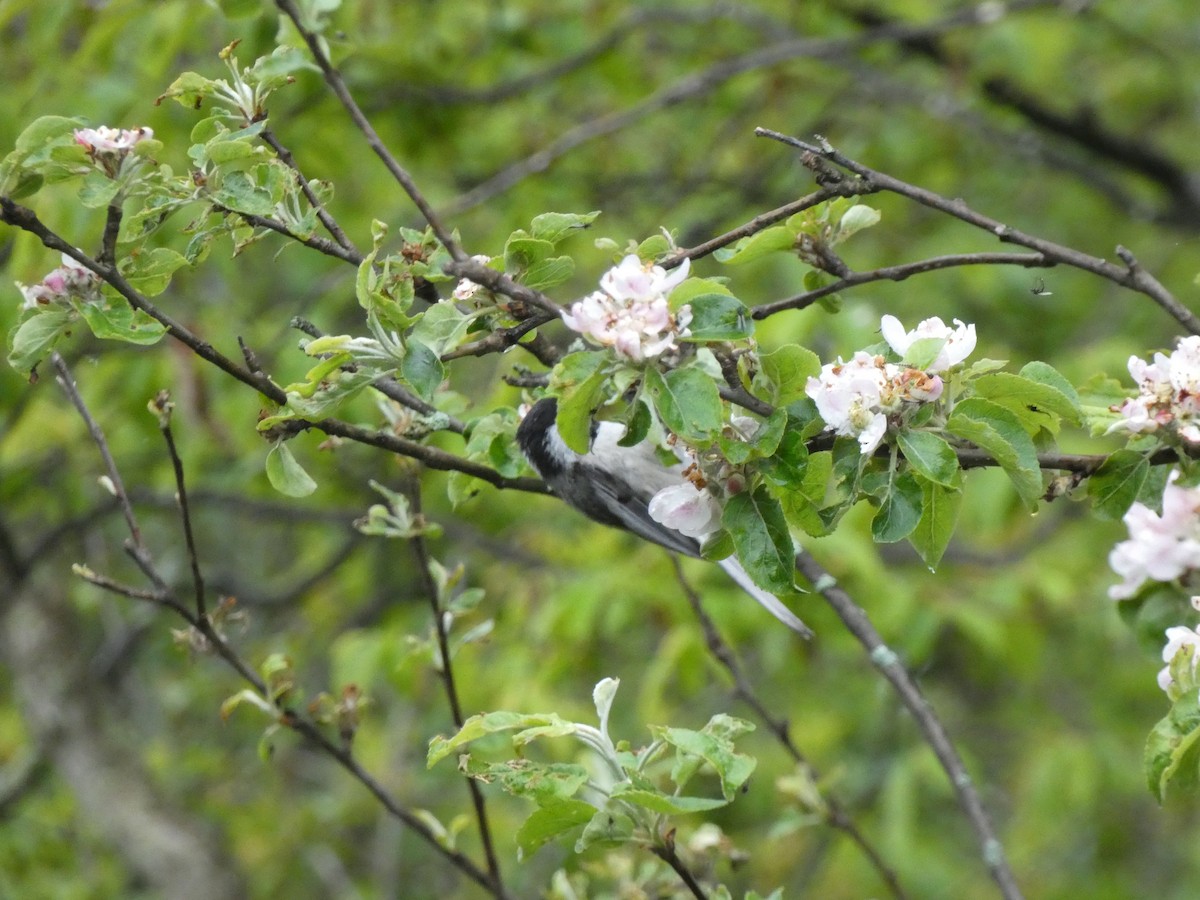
1159,548
105,141
631,312
1168,393
686,508
1178,637
851,396
109,148
960,341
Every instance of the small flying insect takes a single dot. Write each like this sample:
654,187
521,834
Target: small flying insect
1039,289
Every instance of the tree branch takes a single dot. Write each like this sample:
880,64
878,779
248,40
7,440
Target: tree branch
1131,276
888,663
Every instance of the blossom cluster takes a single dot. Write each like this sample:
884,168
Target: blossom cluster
69,280
631,313
856,398
108,147
1168,393
1160,547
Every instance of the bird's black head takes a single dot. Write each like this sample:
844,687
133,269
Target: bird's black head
539,440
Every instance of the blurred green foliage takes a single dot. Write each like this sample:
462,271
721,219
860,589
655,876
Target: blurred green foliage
1047,693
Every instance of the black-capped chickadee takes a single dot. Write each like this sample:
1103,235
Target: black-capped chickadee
613,485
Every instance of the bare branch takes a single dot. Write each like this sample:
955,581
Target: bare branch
900,273
888,663
162,406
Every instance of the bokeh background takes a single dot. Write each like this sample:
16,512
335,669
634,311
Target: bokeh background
1074,121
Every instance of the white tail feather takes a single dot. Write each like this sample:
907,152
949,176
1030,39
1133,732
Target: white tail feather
770,602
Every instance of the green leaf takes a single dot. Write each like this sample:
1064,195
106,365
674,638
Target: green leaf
522,251
285,474
422,369
900,510
1033,402
996,430
718,317
578,382
669,804
551,821
540,782
930,456
923,351
788,369
1117,483
553,227
241,192
22,171
36,336
118,321
687,402
488,723
756,523
1046,374
607,827
775,239
547,273
190,89
1172,756
98,190
939,513
442,327
717,750
150,273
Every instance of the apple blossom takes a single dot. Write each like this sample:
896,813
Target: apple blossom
1168,393
108,147
687,508
1159,548
631,313
69,279
960,341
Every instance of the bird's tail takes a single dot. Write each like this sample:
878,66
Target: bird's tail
769,601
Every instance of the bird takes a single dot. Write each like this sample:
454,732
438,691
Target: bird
613,485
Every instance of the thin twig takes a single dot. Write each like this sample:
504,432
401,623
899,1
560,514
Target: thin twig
754,226
338,85
1131,276
163,407
446,671
832,812
887,661
331,225
313,242
900,273
666,852
67,382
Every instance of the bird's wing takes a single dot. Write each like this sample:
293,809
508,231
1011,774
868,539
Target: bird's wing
629,512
